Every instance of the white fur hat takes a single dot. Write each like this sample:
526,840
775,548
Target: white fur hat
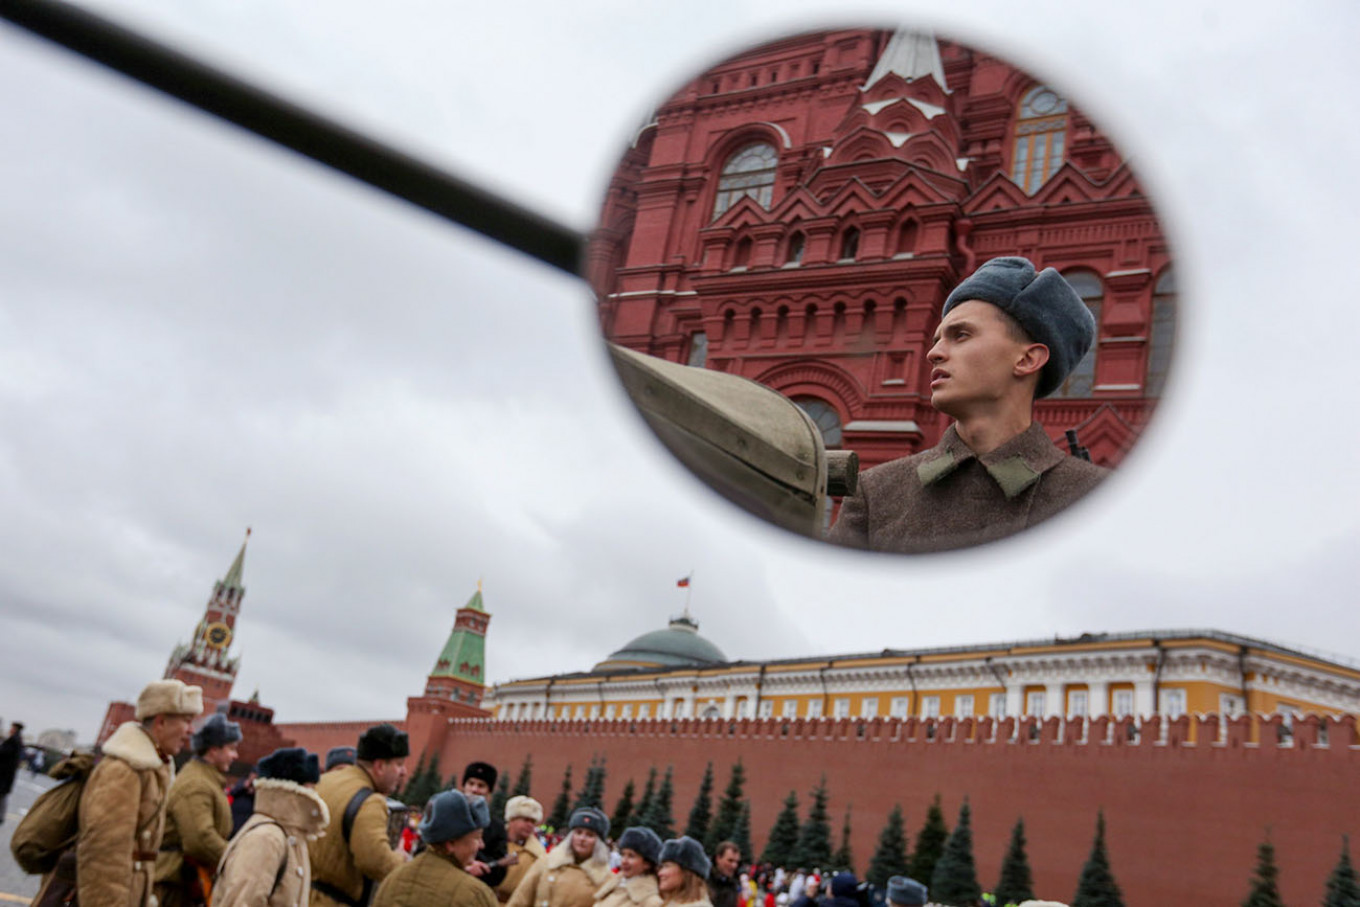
522,807
169,697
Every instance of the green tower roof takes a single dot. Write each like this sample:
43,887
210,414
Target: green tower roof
233,578
464,655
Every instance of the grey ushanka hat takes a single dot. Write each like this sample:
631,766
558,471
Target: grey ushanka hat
216,731
686,853
590,818
1044,304
451,815
642,841
906,892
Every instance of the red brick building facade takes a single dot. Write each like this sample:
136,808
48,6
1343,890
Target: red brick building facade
797,215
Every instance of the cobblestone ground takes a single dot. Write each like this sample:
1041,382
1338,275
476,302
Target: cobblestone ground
16,887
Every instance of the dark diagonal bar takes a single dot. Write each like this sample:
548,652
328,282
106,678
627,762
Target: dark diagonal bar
302,130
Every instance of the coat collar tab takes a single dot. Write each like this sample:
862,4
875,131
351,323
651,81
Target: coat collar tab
1015,465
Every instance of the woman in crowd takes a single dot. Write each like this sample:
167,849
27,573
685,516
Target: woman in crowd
635,883
572,871
684,869
266,863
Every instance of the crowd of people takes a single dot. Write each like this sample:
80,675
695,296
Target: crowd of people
296,832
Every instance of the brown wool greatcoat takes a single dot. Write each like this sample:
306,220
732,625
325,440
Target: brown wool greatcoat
197,825
368,854
529,853
948,497
272,845
432,880
122,816
558,880
639,891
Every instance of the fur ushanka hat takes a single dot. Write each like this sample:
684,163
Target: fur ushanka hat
905,892
292,763
522,807
452,814
340,755
216,731
1044,304
169,697
591,818
483,771
383,741
686,853
642,841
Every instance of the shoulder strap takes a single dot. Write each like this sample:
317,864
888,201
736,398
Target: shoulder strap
352,810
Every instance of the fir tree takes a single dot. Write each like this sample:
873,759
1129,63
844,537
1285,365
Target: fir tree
414,784
658,817
644,805
501,795
955,878
843,860
1265,890
701,813
783,838
525,772
890,857
623,810
1342,890
1017,883
1097,887
592,788
723,827
814,838
929,843
741,835
561,811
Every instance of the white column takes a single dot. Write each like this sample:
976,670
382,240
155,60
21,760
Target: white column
730,705
1143,702
1099,697
1055,700
1015,700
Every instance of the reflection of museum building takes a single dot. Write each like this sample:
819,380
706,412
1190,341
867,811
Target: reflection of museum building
798,214
676,673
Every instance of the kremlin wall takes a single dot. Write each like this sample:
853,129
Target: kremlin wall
1191,763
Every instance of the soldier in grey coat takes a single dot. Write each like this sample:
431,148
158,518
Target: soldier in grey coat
1007,337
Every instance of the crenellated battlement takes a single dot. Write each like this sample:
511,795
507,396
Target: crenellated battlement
1335,735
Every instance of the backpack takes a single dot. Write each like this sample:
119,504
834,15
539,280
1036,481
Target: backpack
52,823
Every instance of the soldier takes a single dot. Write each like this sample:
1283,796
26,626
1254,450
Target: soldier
354,855
683,871
490,864
1007,336
573,870
122,808
267,863
198,817
522,816
337,756
452,830
635,883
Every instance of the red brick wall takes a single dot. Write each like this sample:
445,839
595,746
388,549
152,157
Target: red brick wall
319,736
1183,820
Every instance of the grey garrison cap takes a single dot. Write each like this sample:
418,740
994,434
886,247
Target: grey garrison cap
1044,304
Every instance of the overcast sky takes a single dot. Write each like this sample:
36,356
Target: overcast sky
200,333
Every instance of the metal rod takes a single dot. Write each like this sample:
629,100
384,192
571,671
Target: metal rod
308,133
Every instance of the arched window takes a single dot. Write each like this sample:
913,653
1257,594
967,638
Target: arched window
742,256
698,349
1082,378
850,244
1040,136
748,172
794,254
1163,332
906,238
828,421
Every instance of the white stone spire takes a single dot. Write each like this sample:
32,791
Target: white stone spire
910,54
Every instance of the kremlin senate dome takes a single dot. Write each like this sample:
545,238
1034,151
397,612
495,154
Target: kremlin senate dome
677,646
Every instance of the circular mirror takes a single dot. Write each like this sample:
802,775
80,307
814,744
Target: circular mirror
883,288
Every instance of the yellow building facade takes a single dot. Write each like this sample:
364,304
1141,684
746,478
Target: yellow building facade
675,673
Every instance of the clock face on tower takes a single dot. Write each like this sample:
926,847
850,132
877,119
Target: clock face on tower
218,635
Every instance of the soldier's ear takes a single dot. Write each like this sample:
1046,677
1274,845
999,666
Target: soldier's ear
1033,358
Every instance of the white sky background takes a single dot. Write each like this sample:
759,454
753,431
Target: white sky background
200,333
